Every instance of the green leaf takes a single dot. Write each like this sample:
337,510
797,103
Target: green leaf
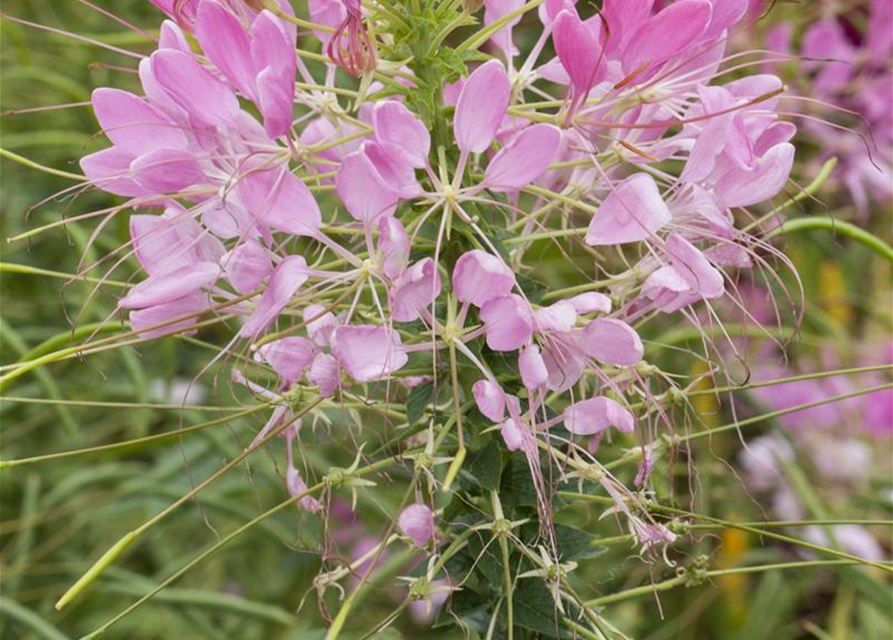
485,550
420,397
469,607
576,544
485,466
517,488
534,609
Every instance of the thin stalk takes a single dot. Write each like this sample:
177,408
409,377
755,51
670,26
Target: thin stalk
847,229
319,486
666,585
49,457
118,548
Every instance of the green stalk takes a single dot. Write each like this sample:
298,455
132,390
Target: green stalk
666,585
846,229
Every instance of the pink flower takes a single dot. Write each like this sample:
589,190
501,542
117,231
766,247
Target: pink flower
508,322
417,522
368,352
480,277
414,290
596,415
260,62
358,55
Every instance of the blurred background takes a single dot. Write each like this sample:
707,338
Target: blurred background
58,515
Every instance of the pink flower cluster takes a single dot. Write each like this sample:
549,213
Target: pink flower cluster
647,153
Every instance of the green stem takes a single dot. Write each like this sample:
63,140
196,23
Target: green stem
666,585
841,227
119,547
375,466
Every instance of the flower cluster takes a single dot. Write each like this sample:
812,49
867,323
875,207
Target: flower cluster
441,172
849,69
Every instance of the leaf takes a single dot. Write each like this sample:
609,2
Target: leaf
486,553
576,544
420,397
535,609
485,466
469,607
517,488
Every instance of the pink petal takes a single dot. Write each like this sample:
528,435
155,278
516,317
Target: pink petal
565,361
513,435
559,317
523,159
508,323
287,278
280,200
170,285
330,13
591,302
490,399
703,279
320,324
633,211
726,13
578,45
595,415
368,352
171,36
668,290
275,61
172,240
417,522
167,171
363,191
479,277
729,254
194,88
414,290
399,176
399,130
133,124
394,246
247,265
324,374
151,316
740,188
288,357
275,99
667,34
612,342
224,40
532,367
624,17
481,106
109,170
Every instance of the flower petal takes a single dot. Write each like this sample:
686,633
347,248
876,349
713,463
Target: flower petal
368,352
479,277
523,159
481,107
280,200
595,415
133,124
287,277
508,323
613,342
633,211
